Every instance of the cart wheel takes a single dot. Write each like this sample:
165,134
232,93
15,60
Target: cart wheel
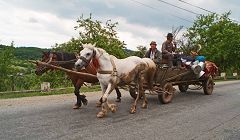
208,85
183,88
133,92
166,97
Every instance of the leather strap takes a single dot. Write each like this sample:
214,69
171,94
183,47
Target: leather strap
105,72
113,72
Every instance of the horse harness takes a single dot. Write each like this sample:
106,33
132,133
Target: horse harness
113,72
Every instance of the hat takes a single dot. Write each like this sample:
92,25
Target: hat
169,35
153,43
193,53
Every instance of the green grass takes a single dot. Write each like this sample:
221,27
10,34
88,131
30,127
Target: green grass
65,91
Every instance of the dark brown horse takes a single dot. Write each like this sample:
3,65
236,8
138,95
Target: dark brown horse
67,60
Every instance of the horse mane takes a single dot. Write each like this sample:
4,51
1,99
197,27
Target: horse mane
64,56
95,63
89,46
92,47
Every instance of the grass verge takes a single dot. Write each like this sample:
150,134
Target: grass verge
69,90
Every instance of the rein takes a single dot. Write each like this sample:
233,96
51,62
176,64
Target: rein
65,62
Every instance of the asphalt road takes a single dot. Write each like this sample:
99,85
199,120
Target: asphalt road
191,115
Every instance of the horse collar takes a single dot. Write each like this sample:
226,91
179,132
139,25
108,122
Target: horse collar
113,72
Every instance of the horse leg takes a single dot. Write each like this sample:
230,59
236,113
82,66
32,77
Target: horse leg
78,104
80,98
140,91
118,95
99,103
145,102
133,108
112,107
105,104
84,100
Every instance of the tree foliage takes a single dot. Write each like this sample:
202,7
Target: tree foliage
16,73
219,37
6,60
28,53
93,31
141,51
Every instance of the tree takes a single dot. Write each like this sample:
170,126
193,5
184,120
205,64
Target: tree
6,60
140,52
219,38
186,46
93,31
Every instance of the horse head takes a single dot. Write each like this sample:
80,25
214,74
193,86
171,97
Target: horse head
47,57
85,56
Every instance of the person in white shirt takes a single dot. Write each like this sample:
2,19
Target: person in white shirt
153,53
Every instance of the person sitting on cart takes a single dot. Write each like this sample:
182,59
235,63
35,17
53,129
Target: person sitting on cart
168,47
153,53
197,57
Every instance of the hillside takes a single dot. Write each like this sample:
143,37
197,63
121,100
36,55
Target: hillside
26,53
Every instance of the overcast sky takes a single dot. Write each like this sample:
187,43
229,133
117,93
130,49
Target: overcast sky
42,23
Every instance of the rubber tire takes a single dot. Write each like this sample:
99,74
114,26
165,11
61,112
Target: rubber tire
183,88
164,97
208,86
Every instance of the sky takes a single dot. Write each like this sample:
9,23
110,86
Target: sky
42,23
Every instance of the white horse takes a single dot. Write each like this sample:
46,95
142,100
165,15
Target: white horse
112,72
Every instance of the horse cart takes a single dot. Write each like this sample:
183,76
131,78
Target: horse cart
167,78
164,80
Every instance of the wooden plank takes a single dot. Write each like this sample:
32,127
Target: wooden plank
67,70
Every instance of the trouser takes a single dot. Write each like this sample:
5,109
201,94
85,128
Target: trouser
169,58
177,60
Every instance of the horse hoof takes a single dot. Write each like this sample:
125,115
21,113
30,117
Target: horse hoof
118,100
144,106
113,108
100,114
98,104
76,106
85,102
133,110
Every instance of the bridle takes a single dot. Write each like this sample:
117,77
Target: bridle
84,59
112,72
48,62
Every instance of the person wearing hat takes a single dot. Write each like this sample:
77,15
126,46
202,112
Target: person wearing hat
153,53
168,47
